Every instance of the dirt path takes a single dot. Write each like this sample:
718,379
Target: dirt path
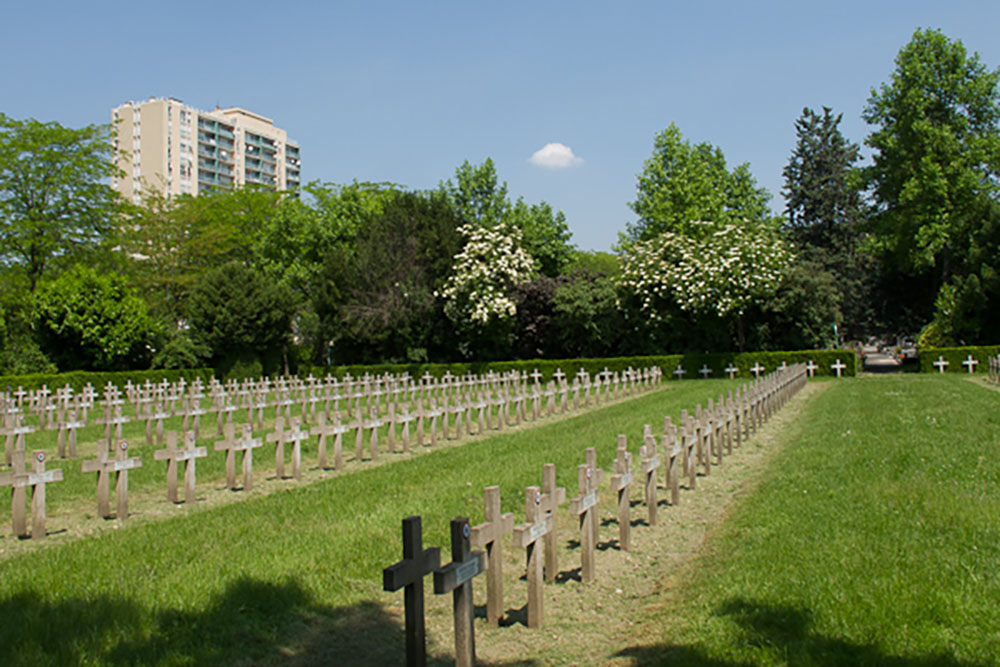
589,624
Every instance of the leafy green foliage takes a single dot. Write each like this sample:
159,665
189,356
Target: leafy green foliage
955,356
681,184
587,318
936,163
54,205
235,313
91,321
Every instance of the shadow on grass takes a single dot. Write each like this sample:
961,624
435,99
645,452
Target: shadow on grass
786,631
250,622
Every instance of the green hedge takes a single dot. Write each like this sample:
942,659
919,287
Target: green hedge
690,362
79,379
955,356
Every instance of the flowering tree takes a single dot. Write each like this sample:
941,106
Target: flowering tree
478,293
723,271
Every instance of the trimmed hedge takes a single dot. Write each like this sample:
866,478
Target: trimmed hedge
955,356
79,379
690,362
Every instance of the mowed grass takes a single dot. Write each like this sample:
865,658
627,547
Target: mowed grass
872,538
292,575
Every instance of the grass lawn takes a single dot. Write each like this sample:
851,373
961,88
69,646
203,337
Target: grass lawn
873,537
294,575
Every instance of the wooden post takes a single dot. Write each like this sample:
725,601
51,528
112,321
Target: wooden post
527,536
583,506
19,479
552,498
489,534
620,481
650,463
231,446
672,450
409,573
456,578
296,435
172,455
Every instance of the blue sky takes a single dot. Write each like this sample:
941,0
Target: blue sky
405,91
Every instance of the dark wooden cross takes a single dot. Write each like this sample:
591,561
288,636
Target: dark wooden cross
650,463
456,578
20,480
188,454
104,467
409,573
528,536
620,481
488,534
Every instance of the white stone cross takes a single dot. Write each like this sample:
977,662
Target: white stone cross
757,369
679,372
970,364
705,371
731,370
811,368
941,364
839,366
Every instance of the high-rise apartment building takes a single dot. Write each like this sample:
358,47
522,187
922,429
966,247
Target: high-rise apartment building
166,146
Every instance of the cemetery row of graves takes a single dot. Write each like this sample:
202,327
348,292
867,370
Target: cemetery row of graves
683,451
391,414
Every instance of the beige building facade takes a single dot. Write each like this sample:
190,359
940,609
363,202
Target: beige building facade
168,147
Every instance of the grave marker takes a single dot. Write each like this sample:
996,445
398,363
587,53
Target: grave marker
20,480
104,467
705,371
552,498
527,536
839,366
620,481
172,455
650,463
456,578
231,446
679,372
970,364
731,371
489,534
409,574
584,507
811,368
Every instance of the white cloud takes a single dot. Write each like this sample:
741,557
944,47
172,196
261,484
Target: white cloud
555,156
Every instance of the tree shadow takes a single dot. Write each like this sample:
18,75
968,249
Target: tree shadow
251,622
788,630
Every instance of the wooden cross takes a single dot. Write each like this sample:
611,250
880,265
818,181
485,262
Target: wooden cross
620,481
757,369
456,578
15,437
526,536
295,436
489,534
278,438
323,429
409,573
552,498
172,455
971,364
587,479
405,417
838,367
650,463
246,445
811,368
20,480
104,467
705,371
672,449
66,437
373,423
731,370
679,372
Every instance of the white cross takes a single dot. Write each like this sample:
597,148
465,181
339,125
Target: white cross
941,364
811,368
705,371
971,364
838,367
732,370
757,369
679,372
784,366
